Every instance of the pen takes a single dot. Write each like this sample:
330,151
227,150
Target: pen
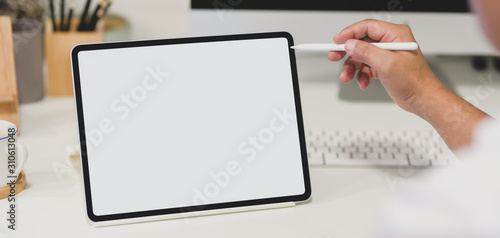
61,24
340,47
83,18
52,15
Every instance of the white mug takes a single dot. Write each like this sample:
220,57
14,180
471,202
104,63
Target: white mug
13,155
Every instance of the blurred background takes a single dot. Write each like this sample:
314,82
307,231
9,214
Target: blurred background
442,28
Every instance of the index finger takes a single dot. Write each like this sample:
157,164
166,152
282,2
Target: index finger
374,29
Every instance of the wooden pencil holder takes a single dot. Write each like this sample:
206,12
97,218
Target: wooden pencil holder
8,84
58,47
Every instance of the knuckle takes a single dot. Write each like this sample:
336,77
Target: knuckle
363,51
405,28
406,32
370,20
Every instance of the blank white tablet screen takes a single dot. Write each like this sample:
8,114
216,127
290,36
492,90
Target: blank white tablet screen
188,124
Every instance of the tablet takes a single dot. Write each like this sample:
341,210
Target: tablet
182,126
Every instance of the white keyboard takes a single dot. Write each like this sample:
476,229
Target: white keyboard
377,148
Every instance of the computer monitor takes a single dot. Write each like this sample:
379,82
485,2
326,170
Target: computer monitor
441,27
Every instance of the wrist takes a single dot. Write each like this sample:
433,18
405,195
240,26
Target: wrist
428,99
453,118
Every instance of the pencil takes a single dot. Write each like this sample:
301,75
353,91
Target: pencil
61,24
93,24
107,7
70,15
52,15
83,18
99,11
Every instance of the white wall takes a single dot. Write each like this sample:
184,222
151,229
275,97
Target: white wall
150,19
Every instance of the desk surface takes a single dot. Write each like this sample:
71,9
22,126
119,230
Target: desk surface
53,201
347,202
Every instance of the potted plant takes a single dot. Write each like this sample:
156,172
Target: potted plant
27,26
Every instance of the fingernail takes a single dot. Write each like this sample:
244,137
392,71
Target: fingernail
342,74
362,84
349,46
363,81
360,80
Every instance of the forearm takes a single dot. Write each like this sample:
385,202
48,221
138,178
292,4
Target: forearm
453,118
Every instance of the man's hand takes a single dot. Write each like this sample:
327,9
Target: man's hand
404,74
406,77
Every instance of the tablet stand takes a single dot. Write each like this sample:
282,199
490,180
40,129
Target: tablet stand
193,214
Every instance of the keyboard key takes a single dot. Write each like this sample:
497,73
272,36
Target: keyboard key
405,150
344,155
350,162
336,149
345,143
358,155
383,162
373,156
418,162
315,158
428,156
392,150
378,150
400,156
322,149
415,157
400,144
373,144
386,156
331,156
350,149
364,149
359,144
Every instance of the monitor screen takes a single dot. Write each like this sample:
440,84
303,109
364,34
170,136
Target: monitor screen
349,5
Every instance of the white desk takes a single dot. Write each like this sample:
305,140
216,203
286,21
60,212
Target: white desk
347,202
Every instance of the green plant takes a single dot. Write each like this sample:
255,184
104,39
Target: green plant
24,9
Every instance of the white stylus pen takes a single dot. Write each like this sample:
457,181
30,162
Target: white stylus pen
340,47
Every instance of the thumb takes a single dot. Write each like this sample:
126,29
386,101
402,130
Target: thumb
366,53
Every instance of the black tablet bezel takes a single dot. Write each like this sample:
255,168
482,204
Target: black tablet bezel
134,44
